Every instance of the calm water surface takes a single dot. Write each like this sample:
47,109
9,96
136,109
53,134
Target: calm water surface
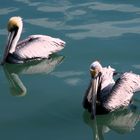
43,100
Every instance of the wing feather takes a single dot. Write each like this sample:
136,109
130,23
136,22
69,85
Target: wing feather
122,92
38,46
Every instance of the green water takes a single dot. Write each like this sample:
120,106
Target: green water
47,103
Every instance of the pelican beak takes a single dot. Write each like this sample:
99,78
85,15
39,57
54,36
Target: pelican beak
10,39
95,84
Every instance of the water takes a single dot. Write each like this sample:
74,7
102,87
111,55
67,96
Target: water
45,103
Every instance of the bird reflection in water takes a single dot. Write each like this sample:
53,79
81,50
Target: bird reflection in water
13,72
121,121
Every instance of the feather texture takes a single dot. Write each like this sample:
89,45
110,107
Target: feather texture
122,92
38,46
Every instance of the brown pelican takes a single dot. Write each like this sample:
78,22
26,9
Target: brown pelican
34,47
106,95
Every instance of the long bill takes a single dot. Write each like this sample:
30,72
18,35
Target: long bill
10,39
95,84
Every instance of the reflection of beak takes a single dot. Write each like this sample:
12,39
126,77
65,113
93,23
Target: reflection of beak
11,36
95,85
16,86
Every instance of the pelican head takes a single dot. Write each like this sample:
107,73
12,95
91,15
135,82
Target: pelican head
95,71
13,23
14,28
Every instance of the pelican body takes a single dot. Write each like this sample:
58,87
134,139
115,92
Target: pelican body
34,47
104,94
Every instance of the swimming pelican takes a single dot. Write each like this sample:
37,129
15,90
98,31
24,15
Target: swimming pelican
106,95
34,47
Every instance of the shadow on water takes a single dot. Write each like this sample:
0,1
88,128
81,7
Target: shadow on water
120,121
13,72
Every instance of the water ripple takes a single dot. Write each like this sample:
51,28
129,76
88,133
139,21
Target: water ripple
115,7
136,66
107,29
99,30
65,74
73,81
81,20
4,11
71,78
86,19
44,22
29,2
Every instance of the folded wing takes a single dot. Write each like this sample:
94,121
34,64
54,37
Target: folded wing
38,46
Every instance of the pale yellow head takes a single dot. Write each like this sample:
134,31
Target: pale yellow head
14,22
95,68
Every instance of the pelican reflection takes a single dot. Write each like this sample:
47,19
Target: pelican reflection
13,72
121,121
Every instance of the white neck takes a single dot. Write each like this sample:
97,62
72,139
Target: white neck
16,39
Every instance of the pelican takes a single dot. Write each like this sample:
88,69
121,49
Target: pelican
34,47
104,94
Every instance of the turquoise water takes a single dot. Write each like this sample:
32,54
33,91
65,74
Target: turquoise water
44,100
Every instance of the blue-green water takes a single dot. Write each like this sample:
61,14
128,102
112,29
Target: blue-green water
49,106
